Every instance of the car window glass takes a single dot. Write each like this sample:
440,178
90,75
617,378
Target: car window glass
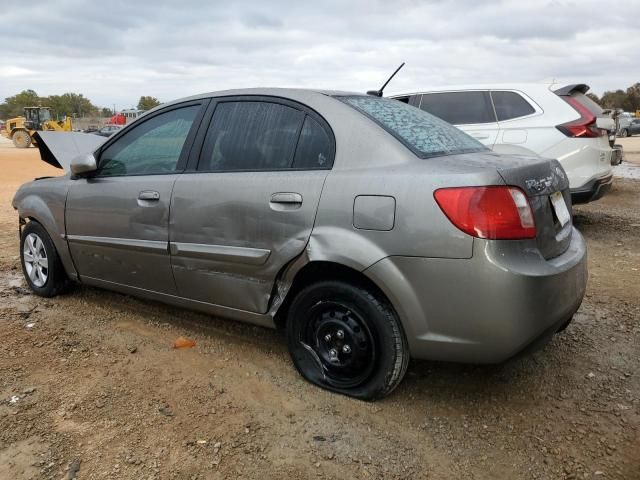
510,105
459,108
592,106
150,148
251,136
425,134
314,146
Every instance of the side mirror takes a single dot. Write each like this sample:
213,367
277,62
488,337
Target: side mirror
85,163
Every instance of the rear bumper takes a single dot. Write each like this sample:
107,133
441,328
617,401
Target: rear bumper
592,190
485,309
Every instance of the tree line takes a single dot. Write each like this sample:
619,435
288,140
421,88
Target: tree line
69,104
628,100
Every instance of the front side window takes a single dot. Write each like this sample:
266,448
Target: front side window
152,147
423,133
510,105
459,108
251,135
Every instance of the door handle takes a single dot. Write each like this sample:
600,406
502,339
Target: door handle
149,195
286,197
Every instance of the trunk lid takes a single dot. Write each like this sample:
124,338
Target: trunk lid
547,187
543,181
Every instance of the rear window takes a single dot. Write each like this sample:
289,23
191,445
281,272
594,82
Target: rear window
510,105
592,106
423,133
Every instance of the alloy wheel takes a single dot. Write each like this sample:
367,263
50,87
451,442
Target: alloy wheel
36,261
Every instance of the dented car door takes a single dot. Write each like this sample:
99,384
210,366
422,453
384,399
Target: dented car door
118,218
247,204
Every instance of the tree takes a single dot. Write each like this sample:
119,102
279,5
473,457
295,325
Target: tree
633,98
147,103
106,112
614,99
72,104
14,106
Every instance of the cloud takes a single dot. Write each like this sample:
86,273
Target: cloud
116,52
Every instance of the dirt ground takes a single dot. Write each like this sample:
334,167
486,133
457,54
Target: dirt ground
90,386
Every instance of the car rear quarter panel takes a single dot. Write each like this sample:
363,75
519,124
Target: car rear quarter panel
370,161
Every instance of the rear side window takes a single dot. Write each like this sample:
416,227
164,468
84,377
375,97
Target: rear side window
423,133
251,136
510,105
315,149
459,108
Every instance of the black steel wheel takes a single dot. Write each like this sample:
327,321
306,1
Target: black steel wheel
345,339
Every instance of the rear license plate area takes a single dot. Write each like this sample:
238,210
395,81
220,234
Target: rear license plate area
560,208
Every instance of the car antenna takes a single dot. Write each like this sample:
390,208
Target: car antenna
378,93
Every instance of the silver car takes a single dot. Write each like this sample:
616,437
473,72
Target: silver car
368,229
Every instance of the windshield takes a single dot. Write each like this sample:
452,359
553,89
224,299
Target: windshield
45,115
424,134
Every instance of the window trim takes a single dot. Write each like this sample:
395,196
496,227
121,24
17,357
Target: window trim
486,95
198,146
186,148
537,110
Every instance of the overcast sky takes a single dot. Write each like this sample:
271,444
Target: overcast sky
117,50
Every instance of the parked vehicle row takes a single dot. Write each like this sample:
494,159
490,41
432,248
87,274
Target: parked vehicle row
370,230
532,119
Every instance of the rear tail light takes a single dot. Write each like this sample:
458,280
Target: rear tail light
585,126
494,212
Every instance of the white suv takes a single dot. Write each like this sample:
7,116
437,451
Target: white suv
540,119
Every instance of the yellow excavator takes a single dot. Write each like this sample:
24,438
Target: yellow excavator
21,129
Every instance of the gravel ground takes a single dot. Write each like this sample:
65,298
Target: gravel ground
91,388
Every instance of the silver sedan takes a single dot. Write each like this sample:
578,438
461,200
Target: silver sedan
368,229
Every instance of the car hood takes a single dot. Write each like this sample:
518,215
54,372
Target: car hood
59,148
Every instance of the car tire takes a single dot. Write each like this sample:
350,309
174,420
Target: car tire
41,264
346,339
624,133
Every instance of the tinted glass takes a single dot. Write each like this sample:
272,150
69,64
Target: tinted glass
314,147
510,105
425,134
251,136
459,108
150,148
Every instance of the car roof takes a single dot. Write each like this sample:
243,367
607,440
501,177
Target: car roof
298,94
521,86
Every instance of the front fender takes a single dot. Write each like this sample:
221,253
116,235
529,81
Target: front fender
43,201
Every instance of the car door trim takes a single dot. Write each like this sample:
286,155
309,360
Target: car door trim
225,253
120,243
